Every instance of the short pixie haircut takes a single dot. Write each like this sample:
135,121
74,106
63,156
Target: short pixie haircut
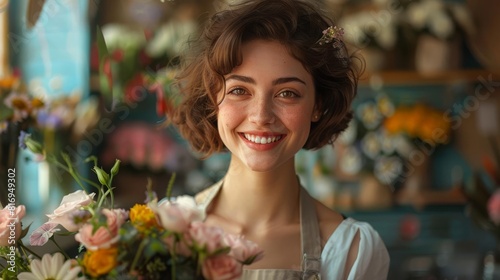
295,24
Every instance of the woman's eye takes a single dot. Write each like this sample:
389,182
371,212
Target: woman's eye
287,94
237,91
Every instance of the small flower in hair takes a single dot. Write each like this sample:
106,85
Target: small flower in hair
332,32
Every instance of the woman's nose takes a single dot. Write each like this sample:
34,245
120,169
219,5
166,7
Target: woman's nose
261,111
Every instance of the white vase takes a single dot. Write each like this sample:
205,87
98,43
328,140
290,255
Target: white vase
374,59
433,55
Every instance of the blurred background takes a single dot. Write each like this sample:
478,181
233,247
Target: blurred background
420,161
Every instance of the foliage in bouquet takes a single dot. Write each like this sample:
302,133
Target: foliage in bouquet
382,137
132,62
154,239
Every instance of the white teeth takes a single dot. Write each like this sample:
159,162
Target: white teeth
261,140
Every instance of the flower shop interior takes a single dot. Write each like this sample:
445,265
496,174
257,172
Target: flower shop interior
420,160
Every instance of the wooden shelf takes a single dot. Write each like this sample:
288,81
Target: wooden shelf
426,197
408,77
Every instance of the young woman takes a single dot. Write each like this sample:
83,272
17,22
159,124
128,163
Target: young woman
267,79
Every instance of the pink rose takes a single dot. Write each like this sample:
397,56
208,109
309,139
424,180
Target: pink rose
69,204
208,238
221,267
10,224
104,236
243,250
494,207
177,215
180,247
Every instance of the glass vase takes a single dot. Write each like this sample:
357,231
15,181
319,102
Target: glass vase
491,264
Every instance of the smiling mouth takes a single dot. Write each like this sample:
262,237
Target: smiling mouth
262,139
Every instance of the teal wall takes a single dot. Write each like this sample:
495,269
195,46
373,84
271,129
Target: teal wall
53,58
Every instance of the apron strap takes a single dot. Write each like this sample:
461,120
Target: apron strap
210,195
310,235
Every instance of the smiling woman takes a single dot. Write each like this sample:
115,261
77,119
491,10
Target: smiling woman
268,96
267,79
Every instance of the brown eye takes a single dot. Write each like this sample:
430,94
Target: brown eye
237,91
288,94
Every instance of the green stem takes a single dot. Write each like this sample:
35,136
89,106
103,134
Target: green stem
173,269
59,247
137,255
24,248
89,182
170,185
52,159
71,171
103,198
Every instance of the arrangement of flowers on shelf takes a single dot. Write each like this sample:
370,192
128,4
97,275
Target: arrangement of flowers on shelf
441,19
132,62
383,139
16,106
23,110
60,121
157,239
386,30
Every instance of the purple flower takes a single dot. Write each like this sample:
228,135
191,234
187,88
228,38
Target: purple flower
49,120
22,139
150,196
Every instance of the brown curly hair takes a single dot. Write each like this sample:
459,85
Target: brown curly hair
296,24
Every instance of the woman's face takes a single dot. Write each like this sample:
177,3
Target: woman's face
268,106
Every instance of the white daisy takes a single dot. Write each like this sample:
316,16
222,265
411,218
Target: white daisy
51,268
351,162
387,169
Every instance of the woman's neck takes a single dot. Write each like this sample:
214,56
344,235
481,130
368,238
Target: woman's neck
259,201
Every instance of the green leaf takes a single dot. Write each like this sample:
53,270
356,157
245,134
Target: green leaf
5,112
154,246
128,233
25,231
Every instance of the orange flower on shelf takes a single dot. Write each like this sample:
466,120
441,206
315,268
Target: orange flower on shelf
419,121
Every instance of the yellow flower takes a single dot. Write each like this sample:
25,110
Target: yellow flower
142,217
9,82
37,103
100,262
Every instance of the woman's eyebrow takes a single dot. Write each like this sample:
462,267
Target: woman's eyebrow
278,81
241,79
287,80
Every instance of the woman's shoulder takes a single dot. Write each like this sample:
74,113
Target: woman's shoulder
348,229
372,257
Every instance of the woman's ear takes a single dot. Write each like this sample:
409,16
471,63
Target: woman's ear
316,114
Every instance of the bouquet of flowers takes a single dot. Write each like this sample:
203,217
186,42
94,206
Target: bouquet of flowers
164,239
